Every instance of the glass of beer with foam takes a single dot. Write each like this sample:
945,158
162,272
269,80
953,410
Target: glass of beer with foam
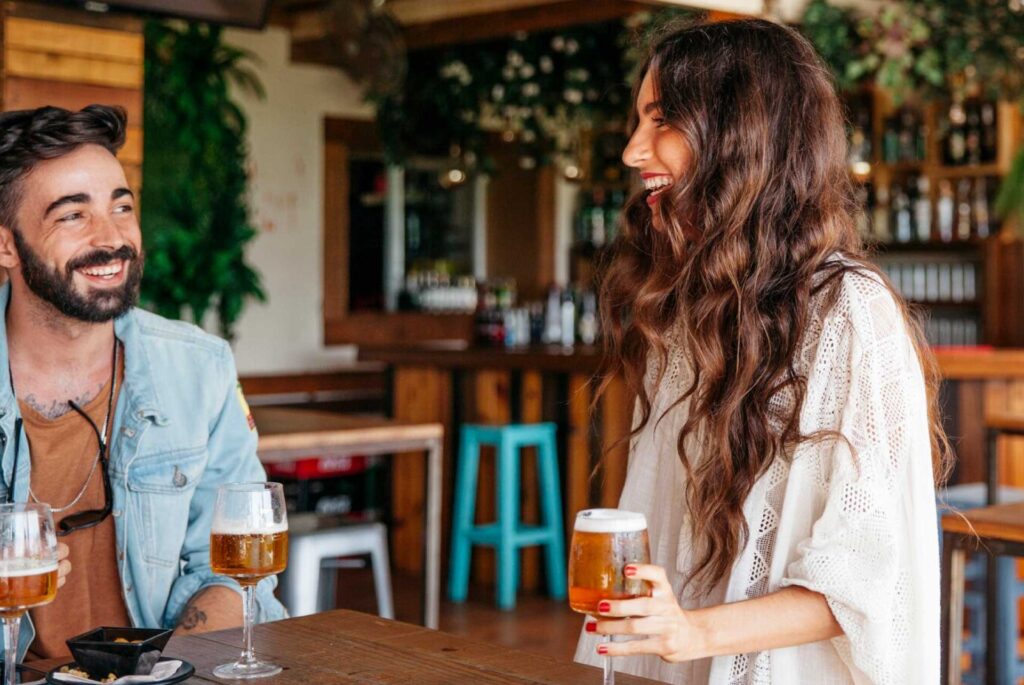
249,542
604,541
28,571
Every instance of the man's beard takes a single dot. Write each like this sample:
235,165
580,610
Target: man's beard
58,289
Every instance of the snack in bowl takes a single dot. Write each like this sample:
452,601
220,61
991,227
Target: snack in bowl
118,651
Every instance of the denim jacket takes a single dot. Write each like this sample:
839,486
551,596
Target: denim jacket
180,429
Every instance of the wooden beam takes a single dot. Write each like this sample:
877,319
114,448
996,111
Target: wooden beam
554,15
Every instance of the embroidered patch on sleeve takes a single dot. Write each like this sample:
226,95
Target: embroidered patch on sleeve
245,407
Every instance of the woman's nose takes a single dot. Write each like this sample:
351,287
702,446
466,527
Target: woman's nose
637,150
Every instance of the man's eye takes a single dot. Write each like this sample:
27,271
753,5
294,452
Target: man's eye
67,218
124,209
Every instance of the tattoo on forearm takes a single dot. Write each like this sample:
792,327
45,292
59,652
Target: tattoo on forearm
192,617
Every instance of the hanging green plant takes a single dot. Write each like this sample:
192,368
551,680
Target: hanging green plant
195,217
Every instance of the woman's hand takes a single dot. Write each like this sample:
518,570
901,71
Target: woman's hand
63,565
670,632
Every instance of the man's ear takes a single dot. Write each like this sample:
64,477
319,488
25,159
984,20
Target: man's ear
8,251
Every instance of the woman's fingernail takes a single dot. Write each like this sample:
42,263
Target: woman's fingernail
591,627
630,571
602,649
604,607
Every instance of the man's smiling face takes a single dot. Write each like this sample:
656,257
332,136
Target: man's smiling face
78,237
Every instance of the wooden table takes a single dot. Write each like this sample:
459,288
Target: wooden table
350,648
997,530
290,434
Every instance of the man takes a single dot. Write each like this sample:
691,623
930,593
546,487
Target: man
123,422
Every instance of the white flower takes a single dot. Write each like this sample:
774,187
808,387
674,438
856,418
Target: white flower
508,73
546,65
465,79
514,58
527,70
531,90
571,46
573,96
558,43
498,92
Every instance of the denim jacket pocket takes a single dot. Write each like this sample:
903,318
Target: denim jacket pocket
161,488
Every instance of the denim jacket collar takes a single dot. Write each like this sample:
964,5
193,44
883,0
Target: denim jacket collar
142,398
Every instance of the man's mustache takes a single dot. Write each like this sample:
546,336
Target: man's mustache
102,258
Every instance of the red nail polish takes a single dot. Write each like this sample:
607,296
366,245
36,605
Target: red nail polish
590,627
630,571
602,649
604,607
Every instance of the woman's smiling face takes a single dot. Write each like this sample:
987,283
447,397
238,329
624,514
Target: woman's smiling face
655,149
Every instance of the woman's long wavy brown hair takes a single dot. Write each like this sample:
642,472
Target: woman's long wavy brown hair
743,243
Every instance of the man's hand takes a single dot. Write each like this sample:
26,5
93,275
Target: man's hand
63,565
214,608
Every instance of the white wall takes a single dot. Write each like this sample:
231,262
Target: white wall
286,153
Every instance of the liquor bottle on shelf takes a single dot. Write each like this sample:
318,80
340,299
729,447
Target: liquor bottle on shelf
923,210
863,194
902,218
972,137
588,318
946,210
982,214
598,229
956,136
880,215
989,132
963,209
907,136
891,141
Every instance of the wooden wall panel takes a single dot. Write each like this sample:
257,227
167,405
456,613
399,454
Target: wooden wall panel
531,411
29,93
420,394
69,64
491,404
616,417
579,461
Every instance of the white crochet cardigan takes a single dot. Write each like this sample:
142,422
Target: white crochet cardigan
858,527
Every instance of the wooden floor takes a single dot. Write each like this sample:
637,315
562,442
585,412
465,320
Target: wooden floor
537,624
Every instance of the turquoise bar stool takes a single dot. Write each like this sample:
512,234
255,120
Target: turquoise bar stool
508,534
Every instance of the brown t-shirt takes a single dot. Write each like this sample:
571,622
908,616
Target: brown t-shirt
63,451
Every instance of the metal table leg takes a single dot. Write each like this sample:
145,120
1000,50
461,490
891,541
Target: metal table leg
432,550
952,607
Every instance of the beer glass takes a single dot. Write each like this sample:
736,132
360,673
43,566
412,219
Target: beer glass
604,541
28,571
248,542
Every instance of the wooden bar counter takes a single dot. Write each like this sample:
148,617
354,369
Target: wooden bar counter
454,384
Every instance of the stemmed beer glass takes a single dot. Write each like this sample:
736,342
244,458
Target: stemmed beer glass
604,542
28,571
248,542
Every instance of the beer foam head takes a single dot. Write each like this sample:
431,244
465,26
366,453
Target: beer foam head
228,527
12,568
610,521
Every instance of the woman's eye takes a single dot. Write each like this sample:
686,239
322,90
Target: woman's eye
658,121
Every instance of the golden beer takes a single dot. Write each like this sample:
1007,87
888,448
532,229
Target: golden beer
604,542
25,585
248,557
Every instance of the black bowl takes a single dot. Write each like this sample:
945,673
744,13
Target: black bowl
97,652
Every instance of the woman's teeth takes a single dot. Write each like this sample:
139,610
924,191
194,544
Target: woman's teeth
656,183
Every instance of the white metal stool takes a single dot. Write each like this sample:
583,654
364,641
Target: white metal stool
311,563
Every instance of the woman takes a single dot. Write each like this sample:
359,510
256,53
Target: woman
786,445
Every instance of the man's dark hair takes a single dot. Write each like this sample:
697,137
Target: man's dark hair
30,136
